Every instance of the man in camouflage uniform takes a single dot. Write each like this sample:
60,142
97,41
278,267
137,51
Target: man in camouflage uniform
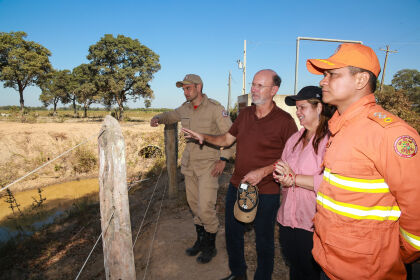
200,164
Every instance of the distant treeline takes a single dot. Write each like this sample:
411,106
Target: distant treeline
70,108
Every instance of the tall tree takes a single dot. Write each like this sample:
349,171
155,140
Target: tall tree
125,68
72,96
22,63
408,81
56,88
86,89
147,102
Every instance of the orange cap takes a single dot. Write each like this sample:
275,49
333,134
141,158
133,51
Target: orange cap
348,54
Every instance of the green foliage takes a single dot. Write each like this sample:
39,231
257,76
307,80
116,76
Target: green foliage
408,81
85,86
56,87
233,113
147,102
396,102
125,67
22,63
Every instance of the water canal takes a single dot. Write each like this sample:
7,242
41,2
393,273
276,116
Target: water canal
58,199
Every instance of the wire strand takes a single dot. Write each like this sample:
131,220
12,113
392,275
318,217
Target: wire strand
154,234
94,246
147,209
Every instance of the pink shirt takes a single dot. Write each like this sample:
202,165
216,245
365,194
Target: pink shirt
298,206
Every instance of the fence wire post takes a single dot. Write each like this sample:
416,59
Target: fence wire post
113,195
171,152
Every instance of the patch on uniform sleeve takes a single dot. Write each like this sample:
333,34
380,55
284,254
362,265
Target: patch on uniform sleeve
225,113
382,117
405,146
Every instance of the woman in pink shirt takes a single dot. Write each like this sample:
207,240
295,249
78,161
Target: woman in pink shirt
300,173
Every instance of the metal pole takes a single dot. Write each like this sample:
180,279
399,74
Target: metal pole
228,104
296,64
244,71
314,39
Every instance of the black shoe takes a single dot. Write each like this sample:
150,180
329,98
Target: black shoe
198,245
209,248
235,277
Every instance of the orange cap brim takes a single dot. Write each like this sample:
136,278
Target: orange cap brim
317,66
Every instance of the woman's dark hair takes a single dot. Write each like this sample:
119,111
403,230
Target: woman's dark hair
322,129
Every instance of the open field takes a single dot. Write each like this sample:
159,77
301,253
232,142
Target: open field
26,146
35,115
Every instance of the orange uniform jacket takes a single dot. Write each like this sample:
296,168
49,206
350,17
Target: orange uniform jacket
367,223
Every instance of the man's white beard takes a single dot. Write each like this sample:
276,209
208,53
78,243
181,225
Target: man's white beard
259,101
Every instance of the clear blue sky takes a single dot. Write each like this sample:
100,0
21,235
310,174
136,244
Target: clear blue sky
206,37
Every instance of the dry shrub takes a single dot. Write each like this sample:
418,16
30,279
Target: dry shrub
58,135
84,160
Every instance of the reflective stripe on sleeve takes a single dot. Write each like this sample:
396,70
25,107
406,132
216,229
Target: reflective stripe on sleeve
411,238
354,184
380,213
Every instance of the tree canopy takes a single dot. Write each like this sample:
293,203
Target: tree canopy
22,63
86,90
56,87
125,68
408,81
396,102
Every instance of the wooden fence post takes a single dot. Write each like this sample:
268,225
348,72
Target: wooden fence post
171,152
113,195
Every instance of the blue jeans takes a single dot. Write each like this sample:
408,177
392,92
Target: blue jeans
264,235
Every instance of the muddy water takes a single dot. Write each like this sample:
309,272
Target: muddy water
58,197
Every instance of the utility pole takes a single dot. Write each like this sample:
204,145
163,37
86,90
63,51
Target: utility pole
244,72
243,67
228,105
386,58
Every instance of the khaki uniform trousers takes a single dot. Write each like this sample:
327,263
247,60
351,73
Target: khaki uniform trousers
201,191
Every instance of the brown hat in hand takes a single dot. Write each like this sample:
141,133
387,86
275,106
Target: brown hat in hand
246,203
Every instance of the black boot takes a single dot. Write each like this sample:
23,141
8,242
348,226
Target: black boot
198,245
209,248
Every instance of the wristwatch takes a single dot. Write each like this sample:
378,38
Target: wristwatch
224,159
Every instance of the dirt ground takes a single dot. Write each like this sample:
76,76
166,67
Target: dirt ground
59,251
176,232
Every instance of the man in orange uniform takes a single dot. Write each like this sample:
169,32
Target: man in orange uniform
367,223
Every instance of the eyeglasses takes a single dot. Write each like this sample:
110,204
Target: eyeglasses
258,86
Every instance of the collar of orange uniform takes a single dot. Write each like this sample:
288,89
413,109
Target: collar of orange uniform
337,121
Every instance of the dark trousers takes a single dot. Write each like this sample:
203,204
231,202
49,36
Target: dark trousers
296,246
324,276
264,235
